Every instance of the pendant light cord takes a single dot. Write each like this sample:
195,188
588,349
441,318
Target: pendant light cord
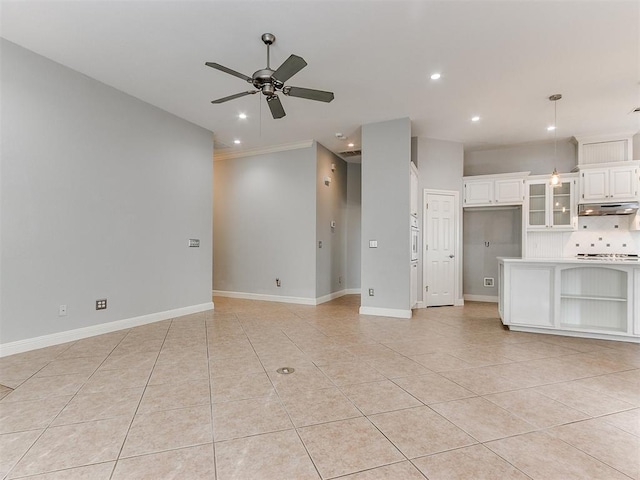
555,133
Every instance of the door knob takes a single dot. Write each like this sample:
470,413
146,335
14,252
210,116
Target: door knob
451,256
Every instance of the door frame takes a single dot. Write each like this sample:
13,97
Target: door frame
458,298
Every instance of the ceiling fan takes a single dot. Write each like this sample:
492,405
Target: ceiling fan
269,81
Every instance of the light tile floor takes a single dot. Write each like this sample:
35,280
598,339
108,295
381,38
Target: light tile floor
449,394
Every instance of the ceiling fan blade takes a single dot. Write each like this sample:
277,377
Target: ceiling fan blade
275,105
289,68
308,93
232,97
224,69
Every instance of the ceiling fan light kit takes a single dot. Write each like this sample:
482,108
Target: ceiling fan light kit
270,82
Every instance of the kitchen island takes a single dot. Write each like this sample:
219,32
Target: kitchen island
568,296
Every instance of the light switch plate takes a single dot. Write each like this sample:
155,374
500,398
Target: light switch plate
373,244
194,242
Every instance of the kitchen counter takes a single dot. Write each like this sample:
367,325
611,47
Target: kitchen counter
630,263
571,296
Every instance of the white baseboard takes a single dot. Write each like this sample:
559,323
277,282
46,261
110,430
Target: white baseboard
278,298
352,291
20,346
385,312
421,304
331,296
264,297
481,298
571,333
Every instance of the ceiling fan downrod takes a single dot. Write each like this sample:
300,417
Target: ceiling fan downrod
268,39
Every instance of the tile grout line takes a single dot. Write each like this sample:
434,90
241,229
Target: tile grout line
211,404
282,403
65,406
124,441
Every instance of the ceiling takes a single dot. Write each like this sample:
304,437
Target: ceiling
499,60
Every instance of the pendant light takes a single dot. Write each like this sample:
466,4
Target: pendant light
555,177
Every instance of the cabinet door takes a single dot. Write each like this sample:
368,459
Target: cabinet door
508,191
531,295
594,184
413,297
414,193
561,211
636,300
536,205
623,183
478,192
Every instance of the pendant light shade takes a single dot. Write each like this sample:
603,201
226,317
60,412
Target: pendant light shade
555,177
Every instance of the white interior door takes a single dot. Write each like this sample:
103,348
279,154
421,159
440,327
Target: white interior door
440,249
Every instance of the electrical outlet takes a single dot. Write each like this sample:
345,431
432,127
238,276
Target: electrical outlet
62,310
488,281
101,304
277,282
340,280
194,242
371,292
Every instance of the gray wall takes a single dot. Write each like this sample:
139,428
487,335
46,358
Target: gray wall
264,223
100,193
538,158
386,155
331,205
354,212
440,165
502,229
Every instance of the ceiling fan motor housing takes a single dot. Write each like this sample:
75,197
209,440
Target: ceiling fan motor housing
264,81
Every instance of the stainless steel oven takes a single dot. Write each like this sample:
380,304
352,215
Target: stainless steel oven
415,239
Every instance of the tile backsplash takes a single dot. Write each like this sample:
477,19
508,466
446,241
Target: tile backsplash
607,234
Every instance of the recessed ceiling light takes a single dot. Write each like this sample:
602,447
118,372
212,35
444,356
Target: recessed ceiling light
475,119
351,145
551,128
237,142
435,76
242,116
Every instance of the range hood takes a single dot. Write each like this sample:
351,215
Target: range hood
599,209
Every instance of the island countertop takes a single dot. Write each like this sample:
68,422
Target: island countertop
585,262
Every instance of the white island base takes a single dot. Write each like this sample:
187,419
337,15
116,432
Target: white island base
581,298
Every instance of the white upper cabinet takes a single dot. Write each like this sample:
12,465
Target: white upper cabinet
607,184
413,188
551,207
597,149
492,190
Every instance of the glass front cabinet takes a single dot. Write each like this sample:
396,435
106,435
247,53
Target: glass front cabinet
552,206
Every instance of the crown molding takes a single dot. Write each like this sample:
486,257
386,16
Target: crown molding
262,150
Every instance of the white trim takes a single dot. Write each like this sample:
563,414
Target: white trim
265,298
385,312
262,150
571,333
278,298
331,296
481,298
20,346
496,176
421,304
459,302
